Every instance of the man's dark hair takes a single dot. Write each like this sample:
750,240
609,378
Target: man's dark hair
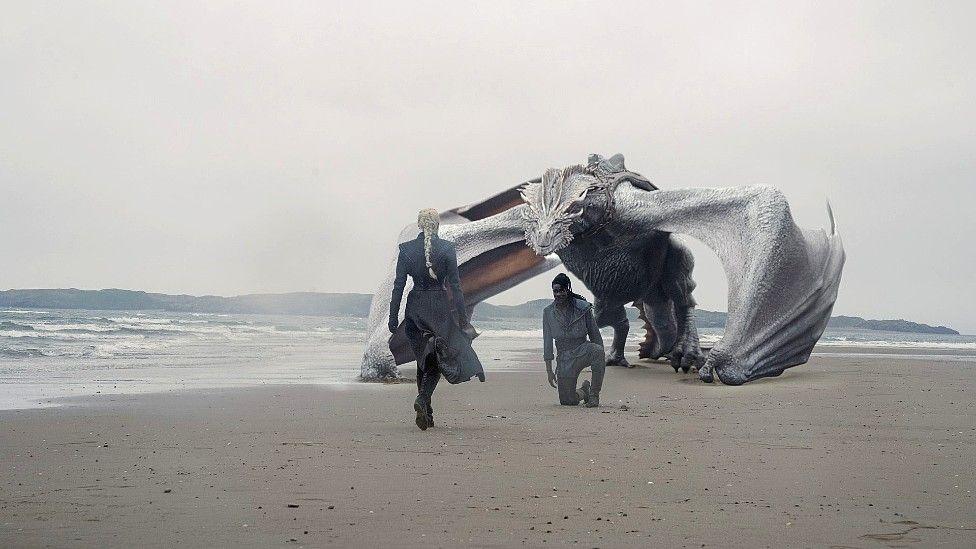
563,280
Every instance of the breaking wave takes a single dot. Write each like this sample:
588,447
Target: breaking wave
22,353
82,334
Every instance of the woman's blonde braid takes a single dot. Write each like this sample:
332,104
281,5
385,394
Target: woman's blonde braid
429,221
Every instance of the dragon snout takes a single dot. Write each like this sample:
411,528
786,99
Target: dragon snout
545,239
547,245
542,244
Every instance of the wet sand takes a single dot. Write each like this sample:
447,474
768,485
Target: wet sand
842,452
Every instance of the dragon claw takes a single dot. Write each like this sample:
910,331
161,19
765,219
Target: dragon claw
722,364
705,374
686,354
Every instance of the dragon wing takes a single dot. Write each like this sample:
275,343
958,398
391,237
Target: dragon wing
492,257
782,279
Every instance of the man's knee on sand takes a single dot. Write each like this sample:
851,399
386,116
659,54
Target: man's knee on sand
569,400
567,391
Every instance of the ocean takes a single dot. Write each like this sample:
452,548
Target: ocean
49,354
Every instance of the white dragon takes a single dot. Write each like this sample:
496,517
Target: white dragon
612,229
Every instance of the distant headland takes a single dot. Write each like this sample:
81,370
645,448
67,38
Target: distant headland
343,304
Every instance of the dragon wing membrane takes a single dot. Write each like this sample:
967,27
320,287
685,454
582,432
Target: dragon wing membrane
492,257
782,279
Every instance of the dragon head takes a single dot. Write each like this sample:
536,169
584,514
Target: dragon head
553,204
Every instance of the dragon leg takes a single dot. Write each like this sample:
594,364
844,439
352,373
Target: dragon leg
613,314
659,314
646,346
678,285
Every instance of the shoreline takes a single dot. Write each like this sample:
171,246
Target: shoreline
841,451
500,356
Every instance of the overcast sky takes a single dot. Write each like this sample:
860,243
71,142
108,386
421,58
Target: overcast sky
280,147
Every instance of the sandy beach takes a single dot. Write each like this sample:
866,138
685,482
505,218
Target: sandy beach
840,452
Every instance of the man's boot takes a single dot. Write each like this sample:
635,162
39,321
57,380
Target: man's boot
584,391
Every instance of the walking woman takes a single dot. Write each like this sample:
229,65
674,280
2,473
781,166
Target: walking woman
438,328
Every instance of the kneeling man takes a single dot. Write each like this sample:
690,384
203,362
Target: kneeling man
569,321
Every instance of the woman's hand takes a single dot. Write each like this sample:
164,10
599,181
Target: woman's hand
551,374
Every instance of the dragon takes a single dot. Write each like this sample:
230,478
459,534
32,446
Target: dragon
619,233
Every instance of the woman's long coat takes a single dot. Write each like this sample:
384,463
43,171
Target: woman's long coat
432,319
